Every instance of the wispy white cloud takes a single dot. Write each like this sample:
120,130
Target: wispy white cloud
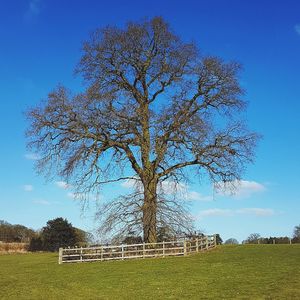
216,212
259,212
71,195
27,187
62,184
75,196
183,191
41,202
173,188
180,190
130,183
239,189
297,28
219,212
195,196
236,189
83,196
33,9
32,156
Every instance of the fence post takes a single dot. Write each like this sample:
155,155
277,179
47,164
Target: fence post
215,240
143,250
60,253
163,248
184,247
274,241
101,253
80,254
290,241
122,252
206,241
197,245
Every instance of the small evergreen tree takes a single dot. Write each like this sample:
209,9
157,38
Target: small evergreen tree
219,239
296,235
58,233
36,244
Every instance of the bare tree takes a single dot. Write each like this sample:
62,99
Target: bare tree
153,109
124,215
253,238
231,241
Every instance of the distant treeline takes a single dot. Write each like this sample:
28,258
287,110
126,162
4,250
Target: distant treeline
255,238
57,233
15,233
273,240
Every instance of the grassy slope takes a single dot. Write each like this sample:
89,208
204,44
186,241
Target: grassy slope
228,272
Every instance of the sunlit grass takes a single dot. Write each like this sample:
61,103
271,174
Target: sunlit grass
228,272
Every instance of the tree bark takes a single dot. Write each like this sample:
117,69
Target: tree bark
149,210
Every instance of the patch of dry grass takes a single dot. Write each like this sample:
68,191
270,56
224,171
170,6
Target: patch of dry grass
13,247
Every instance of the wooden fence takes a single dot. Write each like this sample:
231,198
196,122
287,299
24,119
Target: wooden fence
145,250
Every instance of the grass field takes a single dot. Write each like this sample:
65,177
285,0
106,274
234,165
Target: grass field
228,272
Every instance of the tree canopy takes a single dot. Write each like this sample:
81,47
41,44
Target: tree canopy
296,234
253,238
153,110
231,241
58,233
15,233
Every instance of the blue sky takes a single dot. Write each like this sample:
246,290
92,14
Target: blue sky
40,43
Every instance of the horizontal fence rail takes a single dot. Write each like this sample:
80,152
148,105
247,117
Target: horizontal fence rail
144,250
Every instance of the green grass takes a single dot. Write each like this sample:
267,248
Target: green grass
228,272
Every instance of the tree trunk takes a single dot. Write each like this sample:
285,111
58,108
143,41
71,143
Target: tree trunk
149,210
